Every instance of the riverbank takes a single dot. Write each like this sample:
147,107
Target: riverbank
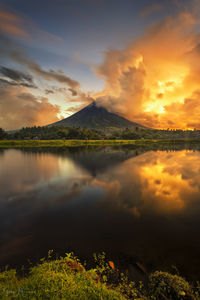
77,143
67,278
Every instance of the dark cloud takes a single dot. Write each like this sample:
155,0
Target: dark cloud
47,75
17,78
55,89
14,52
49,92
14,83
60,89
74,92
15,75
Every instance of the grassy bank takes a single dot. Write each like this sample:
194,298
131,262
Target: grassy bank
67,278
76,143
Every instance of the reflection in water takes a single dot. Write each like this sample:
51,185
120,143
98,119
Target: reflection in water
135,205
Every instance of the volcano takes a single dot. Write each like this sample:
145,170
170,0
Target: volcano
96,117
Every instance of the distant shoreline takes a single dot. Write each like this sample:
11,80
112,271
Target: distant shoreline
76,143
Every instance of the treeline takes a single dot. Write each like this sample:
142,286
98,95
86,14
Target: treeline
52,133
143,133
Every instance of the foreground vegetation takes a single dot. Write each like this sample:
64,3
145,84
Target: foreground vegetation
67,278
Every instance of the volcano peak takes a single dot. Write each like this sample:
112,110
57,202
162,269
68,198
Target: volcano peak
96,117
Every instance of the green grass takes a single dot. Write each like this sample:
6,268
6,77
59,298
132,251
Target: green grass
66,278
75,143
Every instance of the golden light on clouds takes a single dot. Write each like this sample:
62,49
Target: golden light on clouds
158,71
153,81
154,106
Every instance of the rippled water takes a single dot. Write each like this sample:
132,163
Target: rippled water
136,205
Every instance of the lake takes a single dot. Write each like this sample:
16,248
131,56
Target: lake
141,206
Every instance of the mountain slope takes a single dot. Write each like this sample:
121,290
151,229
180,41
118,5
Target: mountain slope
93,116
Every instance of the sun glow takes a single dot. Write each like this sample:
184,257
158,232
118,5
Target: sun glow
154,107
167,90
155,80
138,60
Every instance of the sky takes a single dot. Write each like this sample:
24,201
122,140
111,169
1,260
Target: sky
140,59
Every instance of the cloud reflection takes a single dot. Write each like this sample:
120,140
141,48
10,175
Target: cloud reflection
82,200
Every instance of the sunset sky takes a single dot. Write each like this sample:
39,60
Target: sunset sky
140,59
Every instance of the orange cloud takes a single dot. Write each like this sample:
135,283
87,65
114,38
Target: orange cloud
12,24
19,108
152,79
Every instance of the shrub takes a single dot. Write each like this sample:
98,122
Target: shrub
163,285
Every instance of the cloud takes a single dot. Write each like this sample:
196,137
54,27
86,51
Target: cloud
18,26
153,81
68,87
14,77
17,83
20,108
13,51
47,75
157,71
190,105
47,91
73,92
12,24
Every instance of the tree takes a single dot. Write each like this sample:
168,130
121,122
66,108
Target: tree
3,134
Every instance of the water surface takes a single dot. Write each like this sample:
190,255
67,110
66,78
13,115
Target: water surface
136,205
